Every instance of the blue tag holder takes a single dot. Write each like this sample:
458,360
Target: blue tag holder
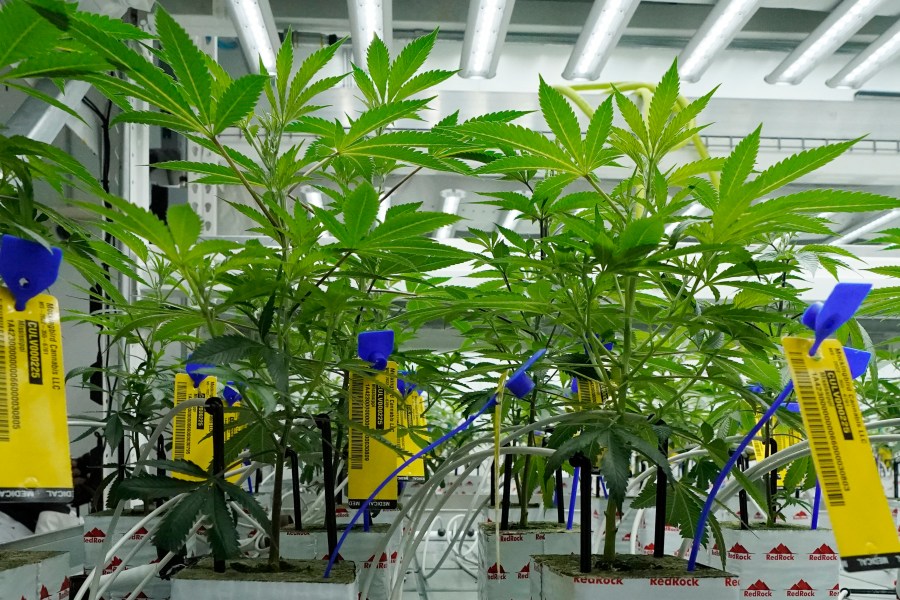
375,347
193,371
27,268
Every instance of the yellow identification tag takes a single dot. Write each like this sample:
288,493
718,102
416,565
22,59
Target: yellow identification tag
410,416
590,391
34,433
191,439
843,457
373,406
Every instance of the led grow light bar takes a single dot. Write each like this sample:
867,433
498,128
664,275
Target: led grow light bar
605,25
255,27
869,61
724,21
840,25
368,18
485,31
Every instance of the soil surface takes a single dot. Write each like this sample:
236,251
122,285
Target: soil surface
764,527
375,528
628,566
11,559
292,571
550,527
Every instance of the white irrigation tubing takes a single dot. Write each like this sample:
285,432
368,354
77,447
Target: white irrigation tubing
105,557
136,592
472,461
320,499
85,423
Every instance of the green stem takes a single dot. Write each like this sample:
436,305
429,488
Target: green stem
609,544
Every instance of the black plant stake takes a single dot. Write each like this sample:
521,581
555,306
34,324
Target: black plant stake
560,500
295,486
323,421
659,527
896,482
217,411
584,465
743,506
507,483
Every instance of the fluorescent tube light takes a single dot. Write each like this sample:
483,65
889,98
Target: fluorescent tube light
255,27
485,31
855,234
368,19
313,196
605,25
839,27
724,21
382,209
452,198
510,221
869,61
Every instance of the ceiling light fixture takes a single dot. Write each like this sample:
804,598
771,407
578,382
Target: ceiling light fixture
485,31
255,28
605,25
510,220
869,61
855,234
725,20
368,19
452,198
837,28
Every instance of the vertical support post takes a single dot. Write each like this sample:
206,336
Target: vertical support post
743,505
493,486
295,487
662,482
216,410
323,421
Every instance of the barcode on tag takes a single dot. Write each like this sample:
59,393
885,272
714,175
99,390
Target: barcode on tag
830,479
4,389
358,416
180,428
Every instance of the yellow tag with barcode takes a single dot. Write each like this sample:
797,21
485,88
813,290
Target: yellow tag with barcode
410,415
373,406
590,391
862,522
34,433
191,431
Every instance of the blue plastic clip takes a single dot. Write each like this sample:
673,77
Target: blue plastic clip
520,384
824,318
231,395
193,371
27,268
406,387
375,347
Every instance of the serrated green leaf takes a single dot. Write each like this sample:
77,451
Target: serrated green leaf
246,501
222,533
796,166
421,82
704,166
737,167
151,487
378,63
23,33
55,65
365,85
381,116
185,467
238,101
186,61
493,134
225,349
663,103
641,232
158,119
284,62
598,133
179,521
633,118
410,60
360,211
561,119
185,225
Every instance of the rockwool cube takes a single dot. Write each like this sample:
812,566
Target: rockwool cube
509,579
96,531
360,548
646,535
34,575
548,583
785,563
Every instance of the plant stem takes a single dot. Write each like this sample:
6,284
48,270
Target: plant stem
609,544
275,534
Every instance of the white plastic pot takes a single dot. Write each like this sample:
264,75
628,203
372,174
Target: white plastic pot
547,584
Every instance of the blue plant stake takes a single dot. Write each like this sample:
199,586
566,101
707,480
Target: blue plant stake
193,370
824,319
375,347
570,520
27,268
